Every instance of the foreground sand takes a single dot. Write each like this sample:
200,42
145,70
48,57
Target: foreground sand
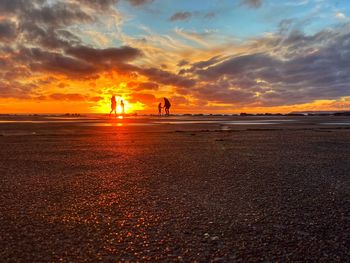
77,193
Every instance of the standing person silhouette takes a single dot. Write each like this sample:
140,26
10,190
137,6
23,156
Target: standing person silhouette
167,106
122,106
113,106
160,109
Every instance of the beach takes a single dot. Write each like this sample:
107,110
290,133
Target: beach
177,189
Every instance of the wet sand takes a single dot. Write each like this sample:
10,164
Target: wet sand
158,189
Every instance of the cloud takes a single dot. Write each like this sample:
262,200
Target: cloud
183,16
252,3
40,40
179,100
43,23
147,86
180,16
209,15
8,31
113,55
139,2
57,15
8,7
49,38
198,37
109,4
166,78
207,63
182,63
46,61
318,69
136,86
142,97
98,4
68,96
340,16
14,89
77,62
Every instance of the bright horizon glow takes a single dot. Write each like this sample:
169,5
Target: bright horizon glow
205,56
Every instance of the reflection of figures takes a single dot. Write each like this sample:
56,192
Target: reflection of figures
122,106
160,109
113,106
167,106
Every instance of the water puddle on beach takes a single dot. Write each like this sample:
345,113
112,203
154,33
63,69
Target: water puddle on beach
335,123
186,122
257,122
223,122
104,124
249,123
43,121
18,133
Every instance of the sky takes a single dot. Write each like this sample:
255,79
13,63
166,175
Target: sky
206,56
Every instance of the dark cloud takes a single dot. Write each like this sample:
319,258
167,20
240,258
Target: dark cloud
107,4
197,66
179,100
139,2
49,38
98,4
217,94
135,86
237,65
57,15
252,3
44,43
41,23
147,86
183,16
180,16
166,78
15,89
8,7
114,55
182,63
40,60
8,31
205,63
78,62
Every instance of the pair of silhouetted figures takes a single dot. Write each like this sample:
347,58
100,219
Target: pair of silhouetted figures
114,106
166,107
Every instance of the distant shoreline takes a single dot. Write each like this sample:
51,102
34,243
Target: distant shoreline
299,113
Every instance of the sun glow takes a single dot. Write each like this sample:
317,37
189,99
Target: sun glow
104,105
119,108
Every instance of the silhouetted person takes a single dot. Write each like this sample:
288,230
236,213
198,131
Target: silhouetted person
160,109
122,106
167,106
113,106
